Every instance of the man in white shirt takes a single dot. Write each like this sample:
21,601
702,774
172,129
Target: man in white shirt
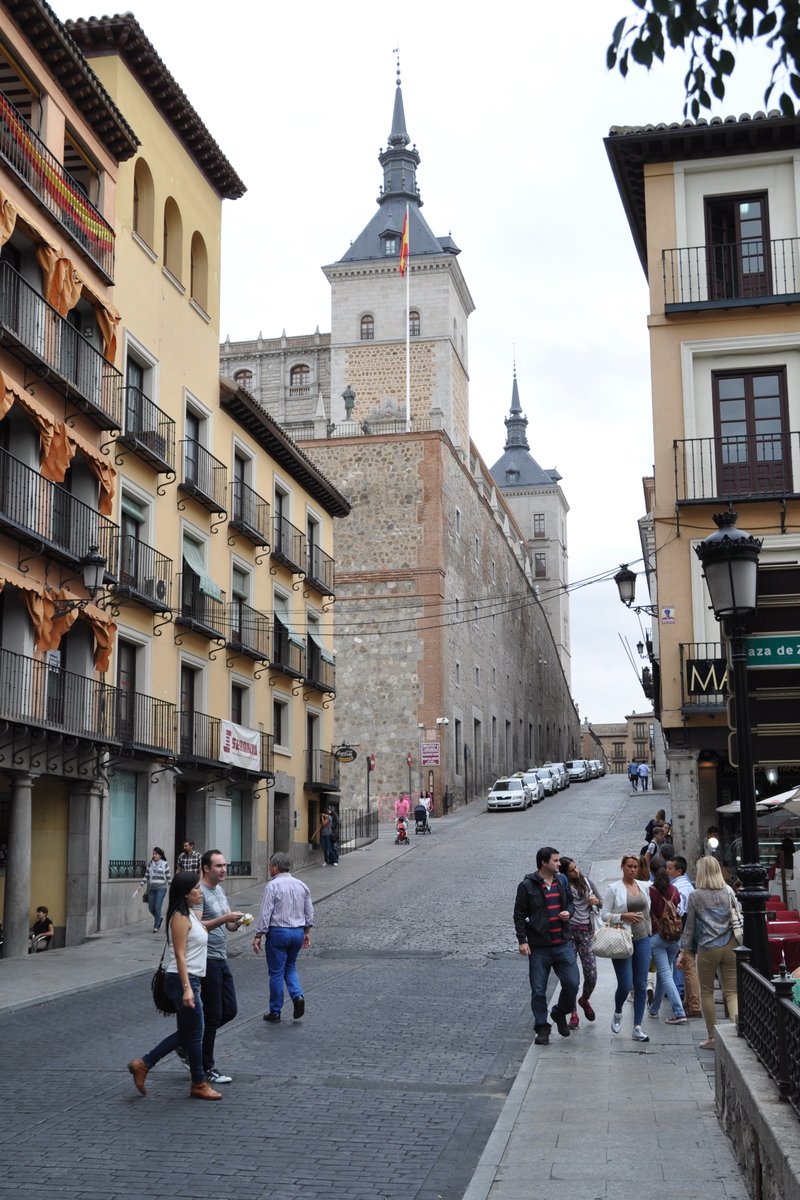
284,923
676,869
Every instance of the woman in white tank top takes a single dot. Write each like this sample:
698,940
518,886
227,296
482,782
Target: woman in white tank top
186,967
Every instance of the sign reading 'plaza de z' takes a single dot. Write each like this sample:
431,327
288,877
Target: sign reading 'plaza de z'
773,650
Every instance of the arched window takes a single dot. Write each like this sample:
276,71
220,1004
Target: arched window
173,238
198,271
143,202
413,323
244,377
299,379
367,328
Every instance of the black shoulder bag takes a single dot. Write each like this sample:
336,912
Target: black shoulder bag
158,986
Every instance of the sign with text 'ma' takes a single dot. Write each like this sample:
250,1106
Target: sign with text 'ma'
431,752
239,746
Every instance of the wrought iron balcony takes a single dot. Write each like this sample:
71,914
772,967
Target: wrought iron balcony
144,574
319,674
39,693
320,569
204,477
322,771
288,655
126,868
198,611
732,275
41,338
704,676
54,187
146,724
149,432
288,545
247,631
747,467
249,513
46,517
199,741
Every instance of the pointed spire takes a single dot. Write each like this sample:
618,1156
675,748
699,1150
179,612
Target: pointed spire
516,423
399,161
399,135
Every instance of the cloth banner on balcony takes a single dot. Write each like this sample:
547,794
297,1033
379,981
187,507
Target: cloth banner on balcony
108,318
103,630
8,217
54,627
102,470
240,746
62,283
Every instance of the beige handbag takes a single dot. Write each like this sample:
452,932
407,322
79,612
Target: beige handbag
612,941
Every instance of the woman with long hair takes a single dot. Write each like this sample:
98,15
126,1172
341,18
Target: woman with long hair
186,967
665,952
586,900
155,883
628,902
709,926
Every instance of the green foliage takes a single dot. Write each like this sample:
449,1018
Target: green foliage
706,29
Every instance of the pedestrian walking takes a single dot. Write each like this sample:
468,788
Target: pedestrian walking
155,882
709,924
189,858
586,899
659,819
665,944
628,901
218,991
542,911
284,924
633,775
644,775
186,966
686,979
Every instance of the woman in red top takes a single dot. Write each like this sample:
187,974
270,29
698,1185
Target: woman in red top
665,950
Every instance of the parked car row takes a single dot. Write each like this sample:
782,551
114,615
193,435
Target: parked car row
525,788
581,769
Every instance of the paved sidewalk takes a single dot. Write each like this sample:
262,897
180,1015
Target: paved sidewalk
608,1114
125,953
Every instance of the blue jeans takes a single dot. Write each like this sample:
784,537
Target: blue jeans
330,854
155,901
664,955
189,1032
282,948
632,973
543,960
219,1005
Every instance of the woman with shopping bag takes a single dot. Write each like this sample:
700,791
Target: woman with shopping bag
627,903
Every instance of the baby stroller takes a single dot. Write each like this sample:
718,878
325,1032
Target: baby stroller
421,822
402,832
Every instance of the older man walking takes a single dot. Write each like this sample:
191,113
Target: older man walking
284,924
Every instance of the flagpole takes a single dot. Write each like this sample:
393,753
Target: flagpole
408,342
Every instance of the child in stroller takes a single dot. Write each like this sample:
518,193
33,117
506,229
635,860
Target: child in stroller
401,834
421,823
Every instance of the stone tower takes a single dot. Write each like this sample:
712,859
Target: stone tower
368,309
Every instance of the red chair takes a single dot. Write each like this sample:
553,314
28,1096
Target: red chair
787,948
783,928
776,902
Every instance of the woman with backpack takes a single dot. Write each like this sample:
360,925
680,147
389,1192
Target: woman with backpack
586,899
665,945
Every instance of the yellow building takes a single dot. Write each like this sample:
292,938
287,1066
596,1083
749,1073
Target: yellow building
225,571
714,209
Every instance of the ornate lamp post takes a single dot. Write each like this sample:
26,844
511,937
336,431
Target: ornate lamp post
730,565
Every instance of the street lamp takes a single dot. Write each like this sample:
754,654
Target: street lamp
94,573
729,558
625,579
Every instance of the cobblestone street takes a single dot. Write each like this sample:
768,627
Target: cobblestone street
417,1021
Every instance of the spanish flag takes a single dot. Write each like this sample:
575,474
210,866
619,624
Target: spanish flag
404,245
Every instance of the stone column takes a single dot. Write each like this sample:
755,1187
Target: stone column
83,860
16,911
685,802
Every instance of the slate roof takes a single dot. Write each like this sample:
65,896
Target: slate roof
517,456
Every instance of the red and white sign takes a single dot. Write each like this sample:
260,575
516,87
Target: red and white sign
430,754
240,746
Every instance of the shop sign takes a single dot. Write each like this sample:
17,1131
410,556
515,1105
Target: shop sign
431,752
239,746
345,754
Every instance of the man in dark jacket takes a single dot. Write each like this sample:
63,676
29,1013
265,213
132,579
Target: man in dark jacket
542,911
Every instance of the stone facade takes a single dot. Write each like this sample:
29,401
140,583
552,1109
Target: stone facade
265,366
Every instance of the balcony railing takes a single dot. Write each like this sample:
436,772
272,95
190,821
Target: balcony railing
288,654
247,631
769,1021
357,829
746,467
54,187
40,336
320,569
39,693
204,477
126,868
288,544
249,513
47,517
322,771
144,574
198,611
732,275
145,723
149,432
199,741
319,674
704,676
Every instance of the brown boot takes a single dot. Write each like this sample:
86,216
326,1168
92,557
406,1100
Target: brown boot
204,1091
138,1069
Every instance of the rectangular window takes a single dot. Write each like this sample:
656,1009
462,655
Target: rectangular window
738,254
638,729
477,677
458,674
494,677
458,520
752,432
239,714
457,734
280,723
477,549
538,525
122,817
540,565
619,749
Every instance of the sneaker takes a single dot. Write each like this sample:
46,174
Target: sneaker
214,1077
652,1014
650,994
639,1034
334,864
542,1039
676,1021
271,1016
560,1020
588,1011
299,1005
616,1022
574,1021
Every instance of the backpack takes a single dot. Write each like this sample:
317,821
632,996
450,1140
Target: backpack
669,925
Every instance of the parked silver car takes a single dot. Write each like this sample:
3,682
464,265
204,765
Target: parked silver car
535,784
509,793
578,769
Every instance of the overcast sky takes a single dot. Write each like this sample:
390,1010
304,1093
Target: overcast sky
508,107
